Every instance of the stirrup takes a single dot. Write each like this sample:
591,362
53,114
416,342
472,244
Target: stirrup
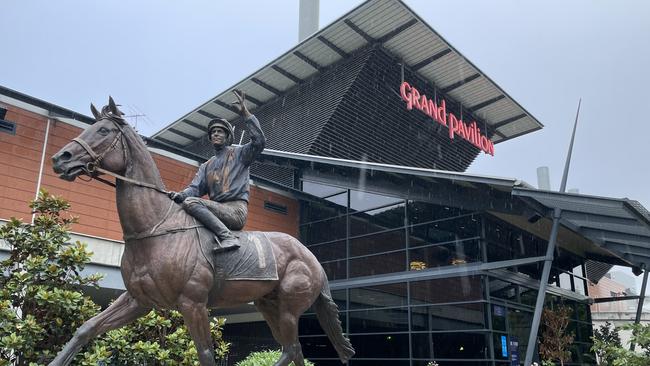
231,244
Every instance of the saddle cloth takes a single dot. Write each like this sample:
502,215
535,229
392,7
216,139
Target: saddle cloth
254,260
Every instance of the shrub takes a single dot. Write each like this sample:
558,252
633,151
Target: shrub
265,358
40,299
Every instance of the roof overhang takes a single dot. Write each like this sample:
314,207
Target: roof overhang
619,228
398,29
608,230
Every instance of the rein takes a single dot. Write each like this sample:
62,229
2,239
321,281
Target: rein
93,166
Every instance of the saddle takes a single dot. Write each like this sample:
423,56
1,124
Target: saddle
254,260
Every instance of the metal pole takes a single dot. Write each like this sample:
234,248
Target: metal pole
543,282
539,305
639,307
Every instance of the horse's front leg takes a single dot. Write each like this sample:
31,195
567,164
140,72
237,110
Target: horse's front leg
196,319
121,312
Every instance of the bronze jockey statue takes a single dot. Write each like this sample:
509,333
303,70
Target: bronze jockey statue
224,178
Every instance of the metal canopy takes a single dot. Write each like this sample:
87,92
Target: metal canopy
608,230
620,226
399,30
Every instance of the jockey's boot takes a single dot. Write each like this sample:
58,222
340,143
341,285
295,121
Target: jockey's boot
226,240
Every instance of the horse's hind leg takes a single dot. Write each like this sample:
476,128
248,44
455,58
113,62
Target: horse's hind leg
121,312
197,322
284,326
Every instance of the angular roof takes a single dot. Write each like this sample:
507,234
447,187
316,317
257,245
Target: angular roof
609,230
399,30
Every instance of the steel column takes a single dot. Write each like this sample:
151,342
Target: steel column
639,307
543,283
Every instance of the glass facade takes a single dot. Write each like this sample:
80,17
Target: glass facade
460,318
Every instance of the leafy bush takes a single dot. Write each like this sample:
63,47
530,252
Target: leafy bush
40,301
41,304
612,353
158,338
265,358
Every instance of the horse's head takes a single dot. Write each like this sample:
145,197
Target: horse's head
99,146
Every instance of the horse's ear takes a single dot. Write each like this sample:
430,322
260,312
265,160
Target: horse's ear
113,106
95,112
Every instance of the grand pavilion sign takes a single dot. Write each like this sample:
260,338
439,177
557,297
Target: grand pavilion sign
456,126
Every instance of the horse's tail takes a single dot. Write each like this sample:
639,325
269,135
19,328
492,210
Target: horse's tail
328,316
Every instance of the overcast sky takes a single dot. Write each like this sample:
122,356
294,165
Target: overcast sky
164,58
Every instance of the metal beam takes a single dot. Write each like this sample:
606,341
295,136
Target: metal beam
183,134
358,30
543,283
460,83
523,133
194,124
266,86
333,47
287,74
601,300
429,60
387,37
226,106
550,250
169,142
432,273
639,307
486,103
206,114
307,60
508,120
254,100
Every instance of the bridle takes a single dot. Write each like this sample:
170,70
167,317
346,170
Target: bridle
92,167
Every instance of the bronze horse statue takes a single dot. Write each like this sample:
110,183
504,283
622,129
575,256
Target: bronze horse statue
170,271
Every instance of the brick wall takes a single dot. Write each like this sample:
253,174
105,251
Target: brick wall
92,201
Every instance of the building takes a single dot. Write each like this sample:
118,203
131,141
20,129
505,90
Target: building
371,123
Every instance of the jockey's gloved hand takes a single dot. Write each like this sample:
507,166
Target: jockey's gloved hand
177,197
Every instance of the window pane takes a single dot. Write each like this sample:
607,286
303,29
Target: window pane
378,243
323,231
460,252
340,298
356,362
420,212
499,317
368,222
378,296
329,251
453,289
378,264
320,190
379,321
314,211
336,270
503,290
362,201
448,317
317,347
444,230
381,346
449,345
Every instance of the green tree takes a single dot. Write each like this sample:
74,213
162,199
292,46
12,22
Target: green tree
612,353
40,301
158,338
555,343
606,336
